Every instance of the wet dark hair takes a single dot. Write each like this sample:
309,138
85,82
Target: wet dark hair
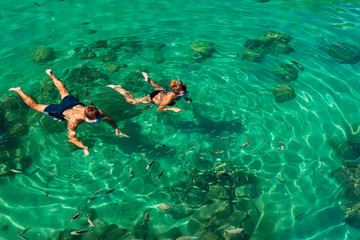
177,86
91,112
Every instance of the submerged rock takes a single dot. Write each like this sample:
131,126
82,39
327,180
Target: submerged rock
204,48
344,53
283,92
287,72
278,36
252,55
42,54
85,74
108,56
84,53
98,44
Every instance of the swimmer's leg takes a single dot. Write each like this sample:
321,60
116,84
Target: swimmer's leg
153,84
58,84
29,101
129,97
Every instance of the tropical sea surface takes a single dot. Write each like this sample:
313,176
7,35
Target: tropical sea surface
296,178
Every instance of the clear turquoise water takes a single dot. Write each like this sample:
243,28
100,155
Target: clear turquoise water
226,91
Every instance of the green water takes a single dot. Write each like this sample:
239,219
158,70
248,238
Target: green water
292,194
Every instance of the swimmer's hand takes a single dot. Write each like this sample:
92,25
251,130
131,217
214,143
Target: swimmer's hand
86,151
120,133
176,109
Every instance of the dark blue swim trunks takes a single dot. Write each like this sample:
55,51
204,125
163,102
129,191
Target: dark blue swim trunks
56,110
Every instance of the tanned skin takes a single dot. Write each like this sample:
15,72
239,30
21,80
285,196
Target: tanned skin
162,99
74,116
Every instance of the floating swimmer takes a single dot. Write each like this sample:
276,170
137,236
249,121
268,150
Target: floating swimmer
69,109
159,97
76,216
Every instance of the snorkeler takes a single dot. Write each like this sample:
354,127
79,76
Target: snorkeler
159,97
69,109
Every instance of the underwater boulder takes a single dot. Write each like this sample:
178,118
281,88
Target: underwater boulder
252,55
195,198
115,233
278,36
84,74
220,192
97,232
352,211
353,133
84,53
286,72
283,92
344,53
42,54
98,44
204,48
180,211
261,43
108,56
276,48
18,129
114,66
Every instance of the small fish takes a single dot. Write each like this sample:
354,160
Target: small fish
222,173
149,164
298,65
164,206
53,174
222,227
110,191
159,175
76,216
37,4
85,23
16,171
97,192
237,230
24,231
245,144
282,146
186,238
91,31
91,199
89,220
78,232
22,237
146,218
132,174
35,171
282,181
300,216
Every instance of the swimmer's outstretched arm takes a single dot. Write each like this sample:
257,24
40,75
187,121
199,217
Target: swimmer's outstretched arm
113,124
166,100
73,139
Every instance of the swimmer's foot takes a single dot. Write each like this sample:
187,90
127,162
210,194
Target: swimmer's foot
114,86
49,72
17,89
146,76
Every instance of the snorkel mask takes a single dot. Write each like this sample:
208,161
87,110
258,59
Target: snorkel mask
184,94
93,121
